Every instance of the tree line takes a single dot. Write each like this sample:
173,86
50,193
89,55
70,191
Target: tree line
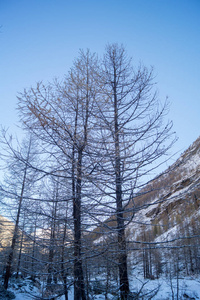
92,140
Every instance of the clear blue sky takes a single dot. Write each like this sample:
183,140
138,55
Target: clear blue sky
40,38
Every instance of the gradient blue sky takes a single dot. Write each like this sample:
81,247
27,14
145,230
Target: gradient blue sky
40,38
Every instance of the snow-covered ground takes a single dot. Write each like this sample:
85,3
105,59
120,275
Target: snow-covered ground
186,288
161,289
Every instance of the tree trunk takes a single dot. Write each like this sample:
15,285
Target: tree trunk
33,252
52,244
79,287
63,272
123,274
20,250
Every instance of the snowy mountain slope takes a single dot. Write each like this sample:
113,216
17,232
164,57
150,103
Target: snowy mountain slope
6,232
163,231
173,195
164,235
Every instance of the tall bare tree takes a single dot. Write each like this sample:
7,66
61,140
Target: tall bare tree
62,116
134,137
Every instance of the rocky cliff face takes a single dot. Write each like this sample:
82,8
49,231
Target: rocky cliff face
172,196
167,216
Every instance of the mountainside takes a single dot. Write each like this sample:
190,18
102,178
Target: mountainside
173,197
164,220
166,224
6,232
